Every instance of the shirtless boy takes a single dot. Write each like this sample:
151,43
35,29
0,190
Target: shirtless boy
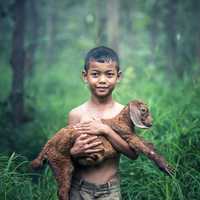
101,73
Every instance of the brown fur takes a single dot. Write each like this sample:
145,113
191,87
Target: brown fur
57,149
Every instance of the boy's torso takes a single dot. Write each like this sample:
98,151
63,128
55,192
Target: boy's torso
87,111
108,169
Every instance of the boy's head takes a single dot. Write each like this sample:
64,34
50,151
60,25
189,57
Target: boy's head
101,71
103,55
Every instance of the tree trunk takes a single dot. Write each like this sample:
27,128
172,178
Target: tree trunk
113,24
127,10
101,38
171,42
33,32
51,45
154,31
17,63
198,50
196,13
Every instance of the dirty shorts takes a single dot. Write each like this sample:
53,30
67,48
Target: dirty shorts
83,190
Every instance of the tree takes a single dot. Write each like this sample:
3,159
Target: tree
154,29
171,31
101,38
33,23
113,23
17,62
51,28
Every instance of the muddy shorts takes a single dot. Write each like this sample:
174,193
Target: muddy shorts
83,190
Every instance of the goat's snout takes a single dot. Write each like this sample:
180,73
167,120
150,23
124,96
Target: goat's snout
149,121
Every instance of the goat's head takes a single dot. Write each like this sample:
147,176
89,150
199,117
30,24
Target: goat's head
139,114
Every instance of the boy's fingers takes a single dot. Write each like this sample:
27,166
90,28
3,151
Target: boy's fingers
81,127
93,150
86,138
93,144
83,136
91,133
81,124
84,123
82,131
90,139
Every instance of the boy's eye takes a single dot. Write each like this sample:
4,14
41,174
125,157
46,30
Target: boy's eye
110,74
94,74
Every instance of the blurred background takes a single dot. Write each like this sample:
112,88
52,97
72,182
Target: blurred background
42,48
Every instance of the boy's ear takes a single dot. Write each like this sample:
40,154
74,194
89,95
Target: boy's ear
84,76
119,76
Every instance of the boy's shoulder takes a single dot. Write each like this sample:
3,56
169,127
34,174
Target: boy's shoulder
76,113
119,106
78,110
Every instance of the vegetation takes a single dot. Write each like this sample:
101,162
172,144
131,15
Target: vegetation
158,43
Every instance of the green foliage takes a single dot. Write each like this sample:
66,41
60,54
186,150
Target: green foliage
176,136
175,133
17,183
55,87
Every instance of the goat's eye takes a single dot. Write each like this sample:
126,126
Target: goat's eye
143,110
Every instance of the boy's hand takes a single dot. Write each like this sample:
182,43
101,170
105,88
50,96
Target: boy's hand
85,144
93,127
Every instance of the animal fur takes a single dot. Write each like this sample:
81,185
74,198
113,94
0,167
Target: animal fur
57,149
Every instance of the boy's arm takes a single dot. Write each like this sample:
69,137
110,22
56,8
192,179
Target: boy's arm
120,144
96,127
83,144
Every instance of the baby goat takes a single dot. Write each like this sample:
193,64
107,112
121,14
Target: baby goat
57,149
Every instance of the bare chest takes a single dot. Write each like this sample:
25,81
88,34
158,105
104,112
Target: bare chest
97,114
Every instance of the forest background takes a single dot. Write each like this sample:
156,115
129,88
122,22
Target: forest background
42,48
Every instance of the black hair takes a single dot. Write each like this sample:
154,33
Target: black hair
101,54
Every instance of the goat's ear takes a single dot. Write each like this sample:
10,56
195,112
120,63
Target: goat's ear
135,115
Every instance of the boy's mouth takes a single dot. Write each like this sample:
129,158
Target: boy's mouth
102,89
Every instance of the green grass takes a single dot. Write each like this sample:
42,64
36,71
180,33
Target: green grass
18,183
52,92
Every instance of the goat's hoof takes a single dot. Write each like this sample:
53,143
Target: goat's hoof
35,164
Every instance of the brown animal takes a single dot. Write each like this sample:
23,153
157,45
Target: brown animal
57,149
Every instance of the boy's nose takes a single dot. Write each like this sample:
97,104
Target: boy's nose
102,79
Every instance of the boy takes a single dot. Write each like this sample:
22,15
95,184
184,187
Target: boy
101,73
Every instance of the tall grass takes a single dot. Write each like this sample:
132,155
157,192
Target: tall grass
175,133
175,108
17,183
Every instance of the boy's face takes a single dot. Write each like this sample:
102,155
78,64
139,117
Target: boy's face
101,78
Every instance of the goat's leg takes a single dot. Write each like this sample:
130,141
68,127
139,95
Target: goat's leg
62,169
148,149
139,145
38,162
